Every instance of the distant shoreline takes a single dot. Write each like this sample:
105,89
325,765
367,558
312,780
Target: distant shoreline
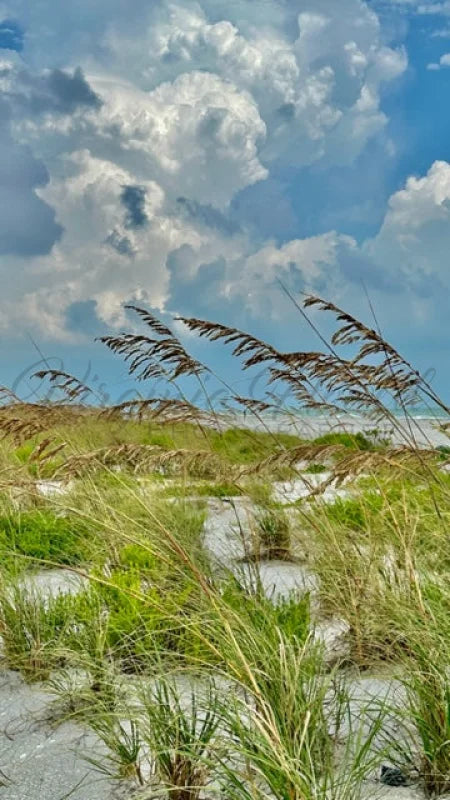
425,429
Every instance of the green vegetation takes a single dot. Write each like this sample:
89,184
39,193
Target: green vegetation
204,490
40,535
353,441
91,434
428,691
198,670
274,535
34,630
357,513
289,616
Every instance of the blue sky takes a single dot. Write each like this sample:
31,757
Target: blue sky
189,155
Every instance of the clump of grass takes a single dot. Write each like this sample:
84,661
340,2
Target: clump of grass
140,517
34,630
243,446
166,742
260,492
251,608
355,513
181,739
218,489
123,760
81,688
284,720
273,536
37,463
272,529
315,469
136,624
126,620
372,553
424,748
428,691
89,650
361,586
352,441
39,535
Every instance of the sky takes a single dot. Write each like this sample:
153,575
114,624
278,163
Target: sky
197,156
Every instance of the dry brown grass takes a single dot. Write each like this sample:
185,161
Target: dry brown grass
370,381
145,458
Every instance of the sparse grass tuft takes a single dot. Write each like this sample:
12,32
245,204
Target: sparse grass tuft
34,630
273,535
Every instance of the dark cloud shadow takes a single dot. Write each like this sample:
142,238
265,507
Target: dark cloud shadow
133,199
55,91
27,224
11,35
208,215
121,244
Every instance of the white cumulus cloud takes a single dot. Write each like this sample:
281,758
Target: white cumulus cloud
443,62
414,240
150,119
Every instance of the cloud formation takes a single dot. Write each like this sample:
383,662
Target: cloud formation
27,224
443,62
133,199
132,138
414,240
